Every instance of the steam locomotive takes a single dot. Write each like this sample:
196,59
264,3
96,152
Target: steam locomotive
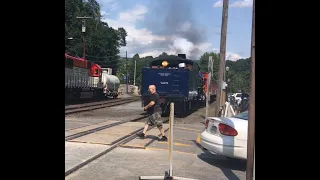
177,80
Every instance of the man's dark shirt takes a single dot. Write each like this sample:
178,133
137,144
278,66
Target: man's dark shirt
156,107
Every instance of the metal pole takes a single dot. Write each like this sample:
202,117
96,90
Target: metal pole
126,73
208,95
84,47
170,144
254,163
134,77
222,54
210,64
171,122
251,122
210,68
227,85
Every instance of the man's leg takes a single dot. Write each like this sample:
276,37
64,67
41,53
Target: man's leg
163,138
161,130
159,124
146,126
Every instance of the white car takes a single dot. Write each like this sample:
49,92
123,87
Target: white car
226,136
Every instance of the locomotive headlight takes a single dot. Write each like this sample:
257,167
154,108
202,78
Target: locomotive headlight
182,65
164,63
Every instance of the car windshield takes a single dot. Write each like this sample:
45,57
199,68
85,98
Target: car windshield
243,115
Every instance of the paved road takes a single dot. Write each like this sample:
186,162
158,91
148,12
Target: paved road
149,157
129,164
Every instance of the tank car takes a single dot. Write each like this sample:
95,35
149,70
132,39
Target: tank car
110,82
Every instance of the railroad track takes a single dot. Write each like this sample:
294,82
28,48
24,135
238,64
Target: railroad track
83,133
118,142
97,105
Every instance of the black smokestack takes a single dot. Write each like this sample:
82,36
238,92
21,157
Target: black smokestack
183,56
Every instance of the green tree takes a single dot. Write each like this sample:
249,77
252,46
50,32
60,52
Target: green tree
141,62
102,42
164,54
239,71
239,75
203,63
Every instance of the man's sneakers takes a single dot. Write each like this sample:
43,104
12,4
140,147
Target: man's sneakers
141,135
164,138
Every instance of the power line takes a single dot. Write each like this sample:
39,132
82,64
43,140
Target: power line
108,63
105,56
95,56
88,40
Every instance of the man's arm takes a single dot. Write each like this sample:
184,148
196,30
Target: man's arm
151,103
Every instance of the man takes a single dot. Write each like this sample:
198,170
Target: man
154,111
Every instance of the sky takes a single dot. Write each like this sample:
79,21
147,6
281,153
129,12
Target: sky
191,27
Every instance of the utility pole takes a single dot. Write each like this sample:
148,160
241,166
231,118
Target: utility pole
135,70
207,94
251,122
83,34
210,69
222,54
126,73
210,64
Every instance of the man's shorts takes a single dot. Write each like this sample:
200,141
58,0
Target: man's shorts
155,119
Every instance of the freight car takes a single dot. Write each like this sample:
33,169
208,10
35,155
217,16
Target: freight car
87,80
177,80
82,78
110,82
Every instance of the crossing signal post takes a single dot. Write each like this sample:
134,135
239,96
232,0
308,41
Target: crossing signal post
168,176
126,73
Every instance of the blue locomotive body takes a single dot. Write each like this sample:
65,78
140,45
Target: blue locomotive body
176,79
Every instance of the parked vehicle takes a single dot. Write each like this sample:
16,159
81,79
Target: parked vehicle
237,97
226,136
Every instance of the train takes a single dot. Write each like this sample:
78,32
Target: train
87,80
177,79
212,88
